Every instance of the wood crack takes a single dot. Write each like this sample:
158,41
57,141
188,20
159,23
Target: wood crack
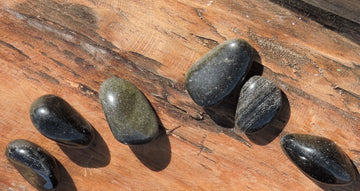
340,90
199,13
63,65
199,146
65,34
89,91
316,100
207,42
355,151
14,48
48,77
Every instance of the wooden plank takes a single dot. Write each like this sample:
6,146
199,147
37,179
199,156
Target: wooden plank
349,9
69,48
339,16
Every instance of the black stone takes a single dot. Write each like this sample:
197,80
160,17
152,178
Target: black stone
36,165
131,118
216,74
319,158
58,121
258,104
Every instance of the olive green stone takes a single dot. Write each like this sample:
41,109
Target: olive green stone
131,118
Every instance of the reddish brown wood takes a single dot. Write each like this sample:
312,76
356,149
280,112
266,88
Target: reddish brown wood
69,48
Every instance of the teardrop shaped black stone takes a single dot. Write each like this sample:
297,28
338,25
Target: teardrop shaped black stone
35,164
319,158
258,104
58,121
216,74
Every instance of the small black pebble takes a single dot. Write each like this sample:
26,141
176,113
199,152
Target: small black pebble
258,104
216,74
36,165
58,121
319,158
130,116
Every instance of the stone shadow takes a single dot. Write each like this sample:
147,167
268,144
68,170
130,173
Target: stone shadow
155,155
66,183
96,155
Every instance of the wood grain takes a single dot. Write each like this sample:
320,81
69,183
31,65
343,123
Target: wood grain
348,9
69,48
341,16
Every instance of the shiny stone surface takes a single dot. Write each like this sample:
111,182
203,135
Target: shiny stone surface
130,116
36,165
319,158
216,74
60,122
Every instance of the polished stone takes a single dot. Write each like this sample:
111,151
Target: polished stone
58,121
36,165
319,158
216,74
130,116
258,104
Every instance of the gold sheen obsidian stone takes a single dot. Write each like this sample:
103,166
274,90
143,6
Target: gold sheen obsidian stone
258,104
60,122
216,74
319,158
129,114
35,164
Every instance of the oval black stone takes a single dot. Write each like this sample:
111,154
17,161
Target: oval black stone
58,121
319,158
258,104
36,165
217,73
130,116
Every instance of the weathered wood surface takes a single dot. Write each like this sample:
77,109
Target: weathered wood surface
349,9
69,48
342,16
